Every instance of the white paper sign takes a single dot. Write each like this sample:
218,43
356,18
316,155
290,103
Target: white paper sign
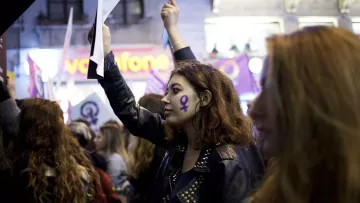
94,110
108,6
96,63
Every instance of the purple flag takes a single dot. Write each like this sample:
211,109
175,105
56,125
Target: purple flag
36,86
237,70
155,84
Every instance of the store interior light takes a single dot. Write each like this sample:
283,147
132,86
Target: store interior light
255,65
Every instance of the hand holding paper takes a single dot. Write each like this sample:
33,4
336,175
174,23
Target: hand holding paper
96,63
106,38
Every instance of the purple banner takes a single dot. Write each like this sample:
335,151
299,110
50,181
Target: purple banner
237,69
155,84
36,86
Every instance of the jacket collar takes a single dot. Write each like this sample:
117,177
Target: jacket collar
202,163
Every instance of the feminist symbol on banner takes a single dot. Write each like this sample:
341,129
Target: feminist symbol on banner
183,101
90,111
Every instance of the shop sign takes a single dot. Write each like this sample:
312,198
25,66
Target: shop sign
127,63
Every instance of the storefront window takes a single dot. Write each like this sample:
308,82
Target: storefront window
127,12
223,39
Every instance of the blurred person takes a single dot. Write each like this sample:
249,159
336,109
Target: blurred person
48,165
126,136
8,115
260,141
109,144
211,154
144,157
309,115
81,132
91,145
9,112
10,84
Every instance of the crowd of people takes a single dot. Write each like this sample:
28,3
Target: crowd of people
195,144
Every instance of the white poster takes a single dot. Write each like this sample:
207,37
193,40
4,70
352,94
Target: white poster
94,110
96,64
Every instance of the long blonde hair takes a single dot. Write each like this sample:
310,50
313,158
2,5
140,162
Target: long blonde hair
114,140
313,80
141,154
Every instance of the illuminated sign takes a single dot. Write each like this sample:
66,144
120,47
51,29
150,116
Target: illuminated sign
126,63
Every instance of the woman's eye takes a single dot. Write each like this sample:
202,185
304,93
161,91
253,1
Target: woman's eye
175,90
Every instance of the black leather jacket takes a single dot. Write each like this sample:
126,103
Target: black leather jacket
224,174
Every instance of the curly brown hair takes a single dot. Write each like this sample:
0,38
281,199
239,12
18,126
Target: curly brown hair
222,121
44,141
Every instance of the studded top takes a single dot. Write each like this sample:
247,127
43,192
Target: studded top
184,186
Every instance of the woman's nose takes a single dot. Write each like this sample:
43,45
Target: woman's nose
165,100
256,110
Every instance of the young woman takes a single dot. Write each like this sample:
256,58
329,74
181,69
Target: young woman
47,164
109,144
211,153
144,157
125,138
309,115
81,132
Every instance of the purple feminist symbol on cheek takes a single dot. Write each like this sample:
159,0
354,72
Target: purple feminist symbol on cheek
183,101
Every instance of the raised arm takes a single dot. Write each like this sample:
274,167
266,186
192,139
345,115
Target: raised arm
170,15
138,120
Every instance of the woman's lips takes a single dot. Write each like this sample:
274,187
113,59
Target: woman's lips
167,112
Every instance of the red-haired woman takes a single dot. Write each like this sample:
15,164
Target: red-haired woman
211,156
47,164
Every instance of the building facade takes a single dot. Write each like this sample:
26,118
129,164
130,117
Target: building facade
138,23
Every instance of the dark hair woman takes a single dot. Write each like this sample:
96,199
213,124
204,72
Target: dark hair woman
211,156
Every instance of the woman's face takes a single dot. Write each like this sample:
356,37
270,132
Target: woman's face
262,112
181,101
99,141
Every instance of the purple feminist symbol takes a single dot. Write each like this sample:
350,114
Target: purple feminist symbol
183,101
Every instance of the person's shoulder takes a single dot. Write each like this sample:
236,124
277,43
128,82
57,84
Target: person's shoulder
245,156
115,157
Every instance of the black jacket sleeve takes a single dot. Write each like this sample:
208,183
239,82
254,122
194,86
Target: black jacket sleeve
139,121
184,54
9,112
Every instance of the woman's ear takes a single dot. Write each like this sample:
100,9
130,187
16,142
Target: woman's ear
205,98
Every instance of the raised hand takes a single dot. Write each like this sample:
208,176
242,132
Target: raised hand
106,38
170,15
